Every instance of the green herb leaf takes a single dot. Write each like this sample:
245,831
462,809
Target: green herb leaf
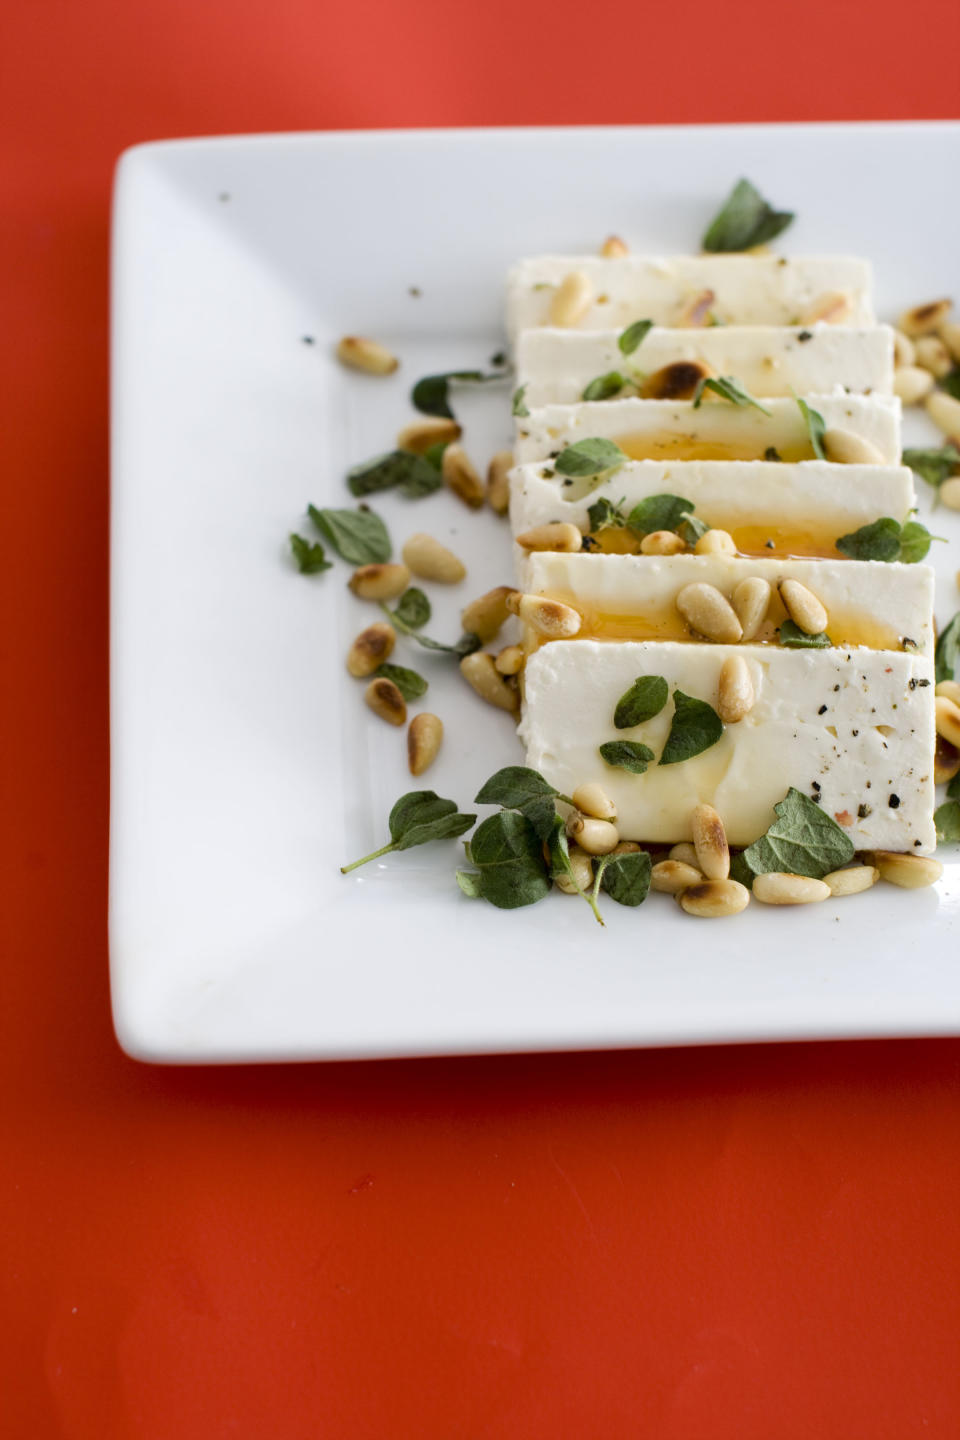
517,787
508,854
469,882
408,682
816,427
310,558
946,817
633,337
560,864
603,514
803,840
413,609
359,536
728,389
625,878
878,541
951,382
915,541
948,651
431,395
426,479
691,528
645,698
953,789
695,727
658,512
434,454
589,457
796,639
740,870
412,473
416,818
627,755
604,387
933,466
517,406
745,219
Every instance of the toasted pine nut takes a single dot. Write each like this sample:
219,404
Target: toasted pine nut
597,837
662,542
779,888
423,741
626,847
751,601
852,881
912,872
367,355
710,843
924,318
709,613
385,700
947,719
713,899
904,351
371,647
571,300
803,607
949,492
946,761
685,853
593,800
912,384
498,481
613,248
834,307
843,447
672,876
549,617
676,381
950,335
485,615
716,542
510,660
480,673
419,435
950,688
427,558
696,313
460,476
735,697
559,535
582,866
944,411
933,355
379,582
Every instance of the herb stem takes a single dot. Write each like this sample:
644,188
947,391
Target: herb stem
375,855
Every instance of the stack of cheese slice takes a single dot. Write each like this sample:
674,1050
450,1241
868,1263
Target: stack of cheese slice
850,724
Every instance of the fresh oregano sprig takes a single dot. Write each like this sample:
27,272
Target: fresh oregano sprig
358,536
417,818
745,219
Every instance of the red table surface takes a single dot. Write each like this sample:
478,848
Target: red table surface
717,1243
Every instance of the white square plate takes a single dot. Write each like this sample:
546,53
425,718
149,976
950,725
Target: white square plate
246,767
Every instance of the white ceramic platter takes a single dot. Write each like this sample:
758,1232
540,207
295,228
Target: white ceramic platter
246,767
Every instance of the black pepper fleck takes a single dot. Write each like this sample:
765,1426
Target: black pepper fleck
894,802
863,811
769,544
822,710
805,335
815,784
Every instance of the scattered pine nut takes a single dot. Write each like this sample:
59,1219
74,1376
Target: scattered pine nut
379,582
710,843
716,542
923,319
676,381
946,761
419,435
582,866
709,613
944,411
498,481
843,447
672,876
549,617
735,697
371,647
834,307
696,313
685,853
481,674
714,899
950,335
591,799
933,355
662,542
597,837
510,661
430,560
572,299
751,601
803,607
385,700
460,476
911,872
912,384
424,738
950,688
486,615
626,847
904,351
558,536
947,719
613,248
949,492
851,881
368,355
779,888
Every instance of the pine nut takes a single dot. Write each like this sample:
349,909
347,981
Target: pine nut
597,837
904,350
947,719
950,335
427,558
934,356
460,476
946,761
944,411
423,741
582,866
485,615
672,876
559,536
843,447
950,688
912,384
549,617
591,799
696,313
510,661
613,248
751,601
779,888
710,843
385,700
949,492
367,355
685,853
419,435
852,881
714,899
709,613
911,872
572,299
480,673
371,647
735,697
676,381
379,582
924,318
498,481
803,607
662,542
626,847
834,307
715,542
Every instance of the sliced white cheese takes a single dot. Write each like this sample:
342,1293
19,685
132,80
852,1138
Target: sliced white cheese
716,430
747,289
854,729
555,366
803,508
626,597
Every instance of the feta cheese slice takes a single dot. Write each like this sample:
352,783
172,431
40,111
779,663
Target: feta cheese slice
633,597
555,366
850,728
716,430
747,289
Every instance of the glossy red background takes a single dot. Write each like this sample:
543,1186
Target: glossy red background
742,1243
